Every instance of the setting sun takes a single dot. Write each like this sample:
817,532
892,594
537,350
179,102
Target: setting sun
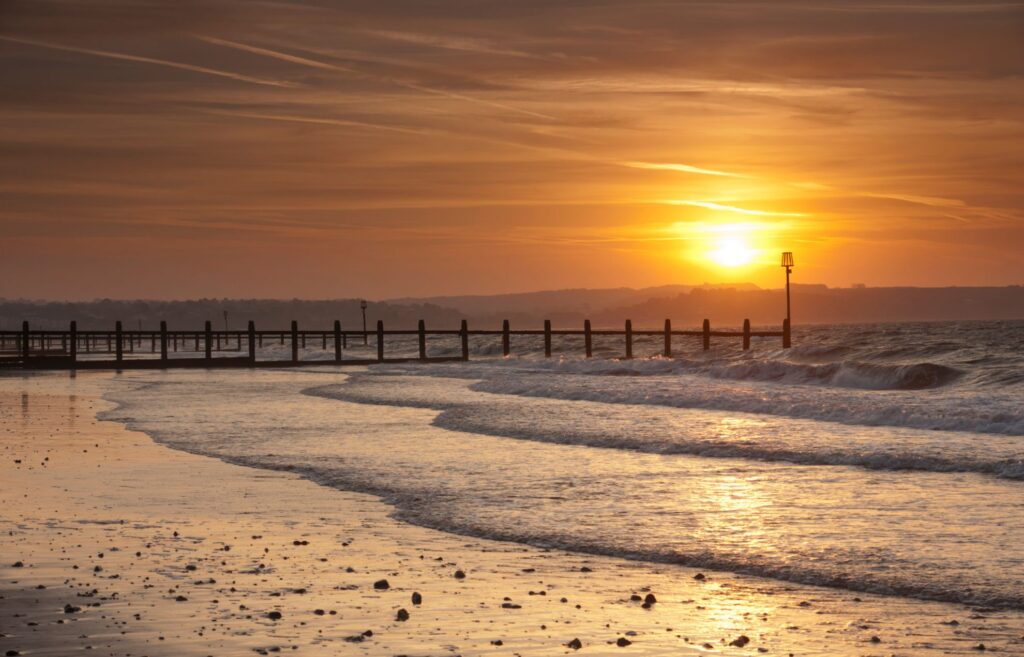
732,252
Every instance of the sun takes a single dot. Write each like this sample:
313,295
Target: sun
732,252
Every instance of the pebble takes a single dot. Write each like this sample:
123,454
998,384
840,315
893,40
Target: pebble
402,615
575,644
622,642
381,585
417,599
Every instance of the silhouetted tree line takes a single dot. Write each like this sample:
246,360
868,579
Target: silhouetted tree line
724,307
267,313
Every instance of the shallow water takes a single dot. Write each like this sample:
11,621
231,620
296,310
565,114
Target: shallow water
884,459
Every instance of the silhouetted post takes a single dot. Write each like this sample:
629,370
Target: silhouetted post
746,334
218,340
506,344
547,338
464,334
629,339
26,348
74,341
787,264
588,342
163,340
208,335
423,339
295,341
362,306
337,340
110,348
668,338
252,340
380,339
238,342
786,337
197,343
152,344
118,342
707,334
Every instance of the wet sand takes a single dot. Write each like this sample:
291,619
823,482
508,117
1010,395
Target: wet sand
116,545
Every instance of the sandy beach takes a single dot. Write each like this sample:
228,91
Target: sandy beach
116,545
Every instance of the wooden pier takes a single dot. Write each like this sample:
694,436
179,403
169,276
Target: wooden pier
137,349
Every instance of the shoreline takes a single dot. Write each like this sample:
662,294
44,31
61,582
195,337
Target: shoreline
132,525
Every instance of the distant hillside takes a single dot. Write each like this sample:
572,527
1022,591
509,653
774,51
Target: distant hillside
267,313
556,305
649,307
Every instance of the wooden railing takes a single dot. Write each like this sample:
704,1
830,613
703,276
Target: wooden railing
74,349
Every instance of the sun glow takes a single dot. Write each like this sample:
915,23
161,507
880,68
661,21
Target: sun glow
732,251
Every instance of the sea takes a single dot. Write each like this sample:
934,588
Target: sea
882,458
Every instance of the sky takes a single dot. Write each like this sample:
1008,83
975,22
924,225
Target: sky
330,148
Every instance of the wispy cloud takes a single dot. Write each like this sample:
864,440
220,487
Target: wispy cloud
305,61
708,205
682,168
316,120
151,60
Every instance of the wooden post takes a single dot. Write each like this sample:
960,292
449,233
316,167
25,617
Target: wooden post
464,334
208,334
252,341
26,348
118,342
238,342
152,344
668,338
74,342
588,343
324,341
629,339
787,341
344,340
295,341
163,341
506,346
197,343
423,340
547,338
746,334
337,340
380,339
707,334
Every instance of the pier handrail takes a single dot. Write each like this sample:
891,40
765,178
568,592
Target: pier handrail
61,349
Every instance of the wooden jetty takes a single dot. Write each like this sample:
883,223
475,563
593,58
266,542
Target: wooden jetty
138,349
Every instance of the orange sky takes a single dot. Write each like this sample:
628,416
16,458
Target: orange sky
335,149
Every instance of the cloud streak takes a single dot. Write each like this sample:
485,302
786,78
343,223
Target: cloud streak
151,60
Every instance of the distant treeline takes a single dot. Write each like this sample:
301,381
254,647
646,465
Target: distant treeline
818,304
567,308
267,313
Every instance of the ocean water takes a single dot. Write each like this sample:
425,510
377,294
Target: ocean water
883,458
